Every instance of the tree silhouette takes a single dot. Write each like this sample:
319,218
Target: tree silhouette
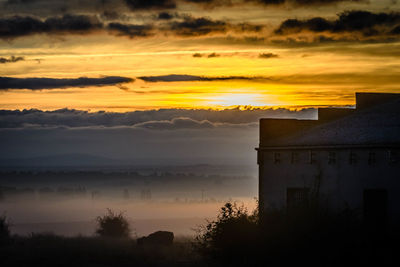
113,225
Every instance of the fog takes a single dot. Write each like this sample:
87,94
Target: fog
67,202
166,169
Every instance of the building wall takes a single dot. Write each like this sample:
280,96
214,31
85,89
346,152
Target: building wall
340,174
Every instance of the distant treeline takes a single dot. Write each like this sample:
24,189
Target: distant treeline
54,176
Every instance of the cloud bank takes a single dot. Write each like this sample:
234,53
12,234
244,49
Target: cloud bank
78,118
350,25
166,136
7,83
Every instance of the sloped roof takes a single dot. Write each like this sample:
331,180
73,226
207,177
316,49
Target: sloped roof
377,125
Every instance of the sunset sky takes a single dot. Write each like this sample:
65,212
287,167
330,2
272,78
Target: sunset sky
160,81
126,55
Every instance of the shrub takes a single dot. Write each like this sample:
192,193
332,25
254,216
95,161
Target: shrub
240,238
4,230
230,236
113,225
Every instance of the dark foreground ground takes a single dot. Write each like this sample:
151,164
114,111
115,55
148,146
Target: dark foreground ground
306,236
50,250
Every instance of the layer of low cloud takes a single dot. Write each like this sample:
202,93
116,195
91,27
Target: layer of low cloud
350,25
166,136
58,7
7,83
150,119
355,25
187,26
194,78
192,27
269,3
135,5
131,30
18,26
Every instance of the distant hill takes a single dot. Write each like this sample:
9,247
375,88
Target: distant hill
74,159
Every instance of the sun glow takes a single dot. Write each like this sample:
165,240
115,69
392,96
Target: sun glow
237,99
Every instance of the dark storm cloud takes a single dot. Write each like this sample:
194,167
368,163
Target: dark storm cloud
21,26
193,78
361,24
197,26
43,8
211,3
165,16
12,59
130,30
7,83
267,3
113,15
150,4
303,2
191,27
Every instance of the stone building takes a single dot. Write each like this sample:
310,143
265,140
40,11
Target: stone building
349,157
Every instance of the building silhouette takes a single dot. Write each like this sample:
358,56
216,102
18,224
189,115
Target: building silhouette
349,157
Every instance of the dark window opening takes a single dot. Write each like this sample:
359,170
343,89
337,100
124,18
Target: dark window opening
295,157
312,157
353,158
371,158
332,158
277,157
393,156
297,197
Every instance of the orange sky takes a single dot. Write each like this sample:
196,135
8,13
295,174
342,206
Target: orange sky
315,73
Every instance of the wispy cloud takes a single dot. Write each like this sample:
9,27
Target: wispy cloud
268,55
193,78
12,59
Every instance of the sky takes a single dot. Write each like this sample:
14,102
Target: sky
126,55
74,61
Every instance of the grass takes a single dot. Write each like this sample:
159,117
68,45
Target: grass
52,250
314,237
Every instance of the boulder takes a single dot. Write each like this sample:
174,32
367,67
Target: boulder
159,238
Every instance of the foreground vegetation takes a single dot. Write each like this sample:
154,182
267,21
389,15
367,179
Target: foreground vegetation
311,236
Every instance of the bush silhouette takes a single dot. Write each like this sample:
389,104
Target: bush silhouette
4,230
280,237
230,234
113,225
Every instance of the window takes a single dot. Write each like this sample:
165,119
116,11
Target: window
295,157
297,197
312,157
371,158
393,156
277,157
332,158
353,158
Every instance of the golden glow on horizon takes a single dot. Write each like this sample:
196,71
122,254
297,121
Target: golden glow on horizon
296,77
